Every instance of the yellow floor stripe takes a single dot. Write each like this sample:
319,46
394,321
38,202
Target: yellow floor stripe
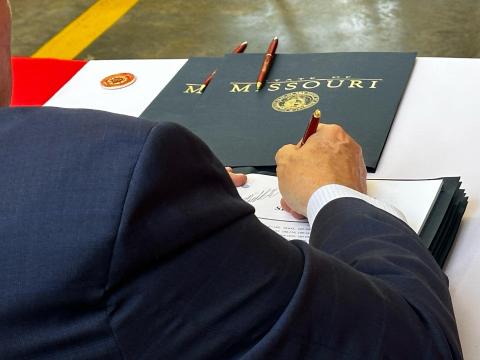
81,32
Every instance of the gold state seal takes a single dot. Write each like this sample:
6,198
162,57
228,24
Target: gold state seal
295,101
118,81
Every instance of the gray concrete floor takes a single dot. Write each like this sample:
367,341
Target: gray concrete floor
37,21
179,29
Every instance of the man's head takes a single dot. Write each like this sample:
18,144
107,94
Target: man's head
5,71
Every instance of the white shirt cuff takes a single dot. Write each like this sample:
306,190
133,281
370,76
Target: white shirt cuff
323,195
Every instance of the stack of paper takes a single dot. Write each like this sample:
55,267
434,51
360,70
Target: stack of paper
433,208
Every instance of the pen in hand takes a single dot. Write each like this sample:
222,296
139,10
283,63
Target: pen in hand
310,130
311,127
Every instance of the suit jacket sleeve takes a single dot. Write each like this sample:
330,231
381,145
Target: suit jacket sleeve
195,275
390,280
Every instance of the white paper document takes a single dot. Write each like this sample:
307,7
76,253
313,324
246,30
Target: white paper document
84,89
414,198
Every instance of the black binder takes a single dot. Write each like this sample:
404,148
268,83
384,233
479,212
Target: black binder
360,91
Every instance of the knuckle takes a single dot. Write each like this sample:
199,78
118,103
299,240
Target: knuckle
281,153
285,149
337,129
357,148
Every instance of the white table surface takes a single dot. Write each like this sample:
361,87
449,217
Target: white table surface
436,133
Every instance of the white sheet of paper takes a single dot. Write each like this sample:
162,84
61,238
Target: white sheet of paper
414,198
261,191
84,89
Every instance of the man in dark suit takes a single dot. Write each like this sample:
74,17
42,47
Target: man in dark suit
125,239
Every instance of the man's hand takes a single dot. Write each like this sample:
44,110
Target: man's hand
237,179
330,156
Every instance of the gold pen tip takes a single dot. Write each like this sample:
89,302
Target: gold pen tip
317,113
259,85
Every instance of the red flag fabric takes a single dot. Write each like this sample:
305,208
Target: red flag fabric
37,80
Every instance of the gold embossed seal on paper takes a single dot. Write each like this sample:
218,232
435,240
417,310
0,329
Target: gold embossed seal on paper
118,81
295,101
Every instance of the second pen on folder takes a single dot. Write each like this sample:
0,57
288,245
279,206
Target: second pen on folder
240,48
267,63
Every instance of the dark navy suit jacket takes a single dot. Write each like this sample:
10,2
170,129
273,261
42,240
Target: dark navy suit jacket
125,239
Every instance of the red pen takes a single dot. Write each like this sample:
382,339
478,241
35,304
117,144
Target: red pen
267,63
240,48
207,80
312,126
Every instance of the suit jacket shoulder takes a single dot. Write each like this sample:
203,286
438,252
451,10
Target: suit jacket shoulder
63,181
193,268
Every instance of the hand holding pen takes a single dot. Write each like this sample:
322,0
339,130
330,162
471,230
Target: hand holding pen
329,157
